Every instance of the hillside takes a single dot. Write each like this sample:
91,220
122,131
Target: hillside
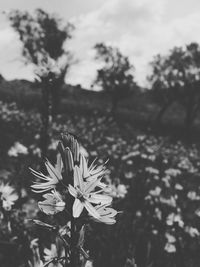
139,109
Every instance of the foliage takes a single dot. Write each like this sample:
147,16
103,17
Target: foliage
175,78
154,181
43,37
115,77
41,34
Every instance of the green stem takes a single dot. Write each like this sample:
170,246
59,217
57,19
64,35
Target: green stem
73,244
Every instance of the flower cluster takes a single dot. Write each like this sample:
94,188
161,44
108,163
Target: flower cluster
75,177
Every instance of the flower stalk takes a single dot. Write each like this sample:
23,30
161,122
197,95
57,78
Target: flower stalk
74,188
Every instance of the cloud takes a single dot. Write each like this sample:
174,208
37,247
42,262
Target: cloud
140,28
121,23
136,27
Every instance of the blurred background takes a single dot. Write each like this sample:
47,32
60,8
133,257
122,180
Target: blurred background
124,78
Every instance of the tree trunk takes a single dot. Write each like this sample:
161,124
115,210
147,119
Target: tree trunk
189,118
45,112
114,106
161,113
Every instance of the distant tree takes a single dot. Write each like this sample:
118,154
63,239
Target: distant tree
43,37
176,78
41,34
1,78
115,76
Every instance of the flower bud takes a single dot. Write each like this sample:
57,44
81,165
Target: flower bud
69,160
76,152
61,149
67,140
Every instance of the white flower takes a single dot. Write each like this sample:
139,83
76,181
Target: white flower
83,151
193,232
35,261
17,149
118,191
107,215
168,201
152,170
48,181
170,238
82,192
51,254
155,192
174,218
178,187
128,175
192,195
88,264
172,172
8,196
93,172
121,190
170,248
52,204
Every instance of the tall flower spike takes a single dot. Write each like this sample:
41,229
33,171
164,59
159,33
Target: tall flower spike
50,181
70,142
84,195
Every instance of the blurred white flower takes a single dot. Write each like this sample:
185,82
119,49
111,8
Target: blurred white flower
155,192
17,149
128,175
192,195
118,191
170,238
8,196
130,155
172,172
193,232
155,232
152,170
178,187
174,218
170,248
88,264
158,213
53,145
83,151
141,137
121,191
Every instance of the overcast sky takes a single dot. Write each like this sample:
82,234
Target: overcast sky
140,28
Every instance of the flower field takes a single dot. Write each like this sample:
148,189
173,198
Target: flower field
154,182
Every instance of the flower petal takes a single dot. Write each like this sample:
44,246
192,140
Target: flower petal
72,190
91,210
77,208
78,180
91,186
99,199
59,163
53,172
